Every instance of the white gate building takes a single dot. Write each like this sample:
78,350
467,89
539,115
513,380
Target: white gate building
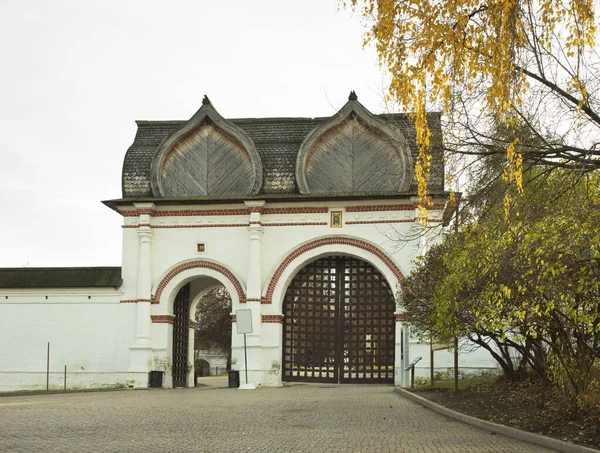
297,218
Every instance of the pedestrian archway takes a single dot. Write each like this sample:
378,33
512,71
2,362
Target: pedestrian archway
339,323
201,329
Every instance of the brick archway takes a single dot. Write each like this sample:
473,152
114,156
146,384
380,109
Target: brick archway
199,264
346,241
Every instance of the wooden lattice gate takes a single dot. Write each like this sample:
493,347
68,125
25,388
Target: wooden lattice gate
339,324
181,335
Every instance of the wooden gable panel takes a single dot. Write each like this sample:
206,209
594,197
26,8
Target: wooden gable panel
353,157
208,161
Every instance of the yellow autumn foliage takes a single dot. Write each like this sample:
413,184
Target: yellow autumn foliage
440,52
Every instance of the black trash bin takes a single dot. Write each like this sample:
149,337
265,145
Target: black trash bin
234,379
156,379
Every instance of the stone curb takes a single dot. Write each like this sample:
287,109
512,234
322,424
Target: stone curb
61,392
525,436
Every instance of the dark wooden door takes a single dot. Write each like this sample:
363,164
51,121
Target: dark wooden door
181,335
339,324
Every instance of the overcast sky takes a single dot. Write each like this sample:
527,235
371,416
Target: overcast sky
76,74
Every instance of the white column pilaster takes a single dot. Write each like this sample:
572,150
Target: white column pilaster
254,294
141,351
144,292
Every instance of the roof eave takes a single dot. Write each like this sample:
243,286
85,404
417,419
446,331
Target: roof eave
113,204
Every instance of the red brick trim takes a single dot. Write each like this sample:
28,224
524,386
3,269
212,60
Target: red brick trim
224,225
296,224
272,319
365,222
137,212
137,225
391,207
330,241
211,225
163,319
233,211
201,212
186,213
381,207
400,317
298,210
200,265
233,318
129,301
253,300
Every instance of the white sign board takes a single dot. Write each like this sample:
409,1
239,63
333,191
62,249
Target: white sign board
243,320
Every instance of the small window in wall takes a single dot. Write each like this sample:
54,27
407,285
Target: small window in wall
200,247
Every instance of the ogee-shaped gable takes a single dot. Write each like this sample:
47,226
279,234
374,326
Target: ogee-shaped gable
207,156
354,151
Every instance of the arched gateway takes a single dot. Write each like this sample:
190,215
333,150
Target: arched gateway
339,324
297,218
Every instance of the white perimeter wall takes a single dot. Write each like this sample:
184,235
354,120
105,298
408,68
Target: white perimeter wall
85,328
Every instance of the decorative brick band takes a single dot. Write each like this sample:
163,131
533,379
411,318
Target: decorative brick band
234,211
134,301
200,265
201,212
229,225
224,225
399,317
272,319
253,300
137,212
163,319
186,213
324,242
381,207
314,210
210,225
296,224
391,207
365,222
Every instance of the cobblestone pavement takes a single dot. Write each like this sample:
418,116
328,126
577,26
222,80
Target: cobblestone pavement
299,418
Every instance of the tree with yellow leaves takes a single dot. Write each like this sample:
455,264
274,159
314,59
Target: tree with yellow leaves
490,64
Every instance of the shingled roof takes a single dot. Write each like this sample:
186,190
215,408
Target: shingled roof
61,277
277,141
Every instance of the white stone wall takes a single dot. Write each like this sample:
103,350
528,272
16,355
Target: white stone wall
87,330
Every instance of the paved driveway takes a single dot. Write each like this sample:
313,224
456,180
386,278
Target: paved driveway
300,418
